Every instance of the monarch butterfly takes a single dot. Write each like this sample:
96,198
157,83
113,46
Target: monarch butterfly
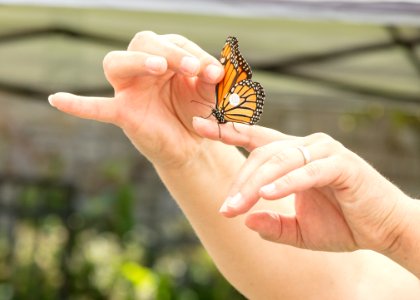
238,98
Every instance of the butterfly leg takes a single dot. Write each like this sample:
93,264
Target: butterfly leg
220,129
208,116
233,125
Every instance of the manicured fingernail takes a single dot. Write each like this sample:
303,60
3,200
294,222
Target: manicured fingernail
268,189
190,65
232,203
213,72
155,63
224,208
50,100
202,121
235,201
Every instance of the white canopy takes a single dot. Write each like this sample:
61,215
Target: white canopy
372,11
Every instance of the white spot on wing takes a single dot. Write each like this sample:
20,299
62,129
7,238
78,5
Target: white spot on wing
234,99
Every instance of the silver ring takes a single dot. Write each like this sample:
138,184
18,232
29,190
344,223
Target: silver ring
305,153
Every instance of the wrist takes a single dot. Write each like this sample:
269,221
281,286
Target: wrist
208,155
395,225
206,176
405,245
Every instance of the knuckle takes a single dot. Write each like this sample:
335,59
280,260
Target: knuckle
249,142
144,35
332,144
177,39
320,136
253,183
312,170
288,179
279,158
336,145
110,60
256,153
346,156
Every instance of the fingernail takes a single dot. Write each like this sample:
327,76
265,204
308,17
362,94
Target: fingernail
190,65
201,121
268,189
224,208
155,63
213,72
235,201
230,203
50,100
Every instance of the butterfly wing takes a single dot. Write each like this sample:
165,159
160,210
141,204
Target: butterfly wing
229,49
238,98
236,69
244,102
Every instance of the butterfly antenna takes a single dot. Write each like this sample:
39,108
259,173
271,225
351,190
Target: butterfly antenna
205,105
202,103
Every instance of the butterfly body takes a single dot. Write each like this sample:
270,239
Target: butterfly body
238,98
219,115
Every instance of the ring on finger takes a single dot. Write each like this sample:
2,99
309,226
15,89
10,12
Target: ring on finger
305,153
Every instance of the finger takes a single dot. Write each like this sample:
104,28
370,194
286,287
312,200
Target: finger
266,165
277,228
95,108
179,59
248,137
319,173
211,70
123,65
243,193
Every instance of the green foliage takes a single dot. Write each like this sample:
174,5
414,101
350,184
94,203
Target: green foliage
57,252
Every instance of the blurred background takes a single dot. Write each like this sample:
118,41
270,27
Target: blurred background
84,216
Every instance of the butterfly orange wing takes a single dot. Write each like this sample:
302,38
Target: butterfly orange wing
238,98
235,66
250,105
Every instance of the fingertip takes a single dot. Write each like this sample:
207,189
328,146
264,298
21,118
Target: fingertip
190,65
226,211
54,98
199,121
156,64
234,206
253,221
213,73
61,95
228,133
95,108
51,100
268,191
203,126
264,222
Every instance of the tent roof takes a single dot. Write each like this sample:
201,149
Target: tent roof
320,59
388,12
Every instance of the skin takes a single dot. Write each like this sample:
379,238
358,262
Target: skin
336,202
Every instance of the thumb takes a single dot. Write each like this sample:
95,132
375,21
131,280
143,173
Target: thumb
237,134
96,108
274,227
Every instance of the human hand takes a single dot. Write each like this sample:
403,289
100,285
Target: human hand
154,82
341,202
